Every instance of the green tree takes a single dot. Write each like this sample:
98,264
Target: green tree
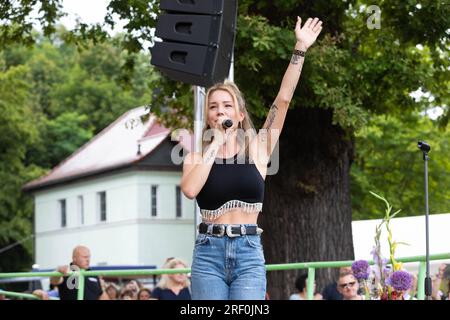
17,132
59,138
388,161
68,133
89,81
54,97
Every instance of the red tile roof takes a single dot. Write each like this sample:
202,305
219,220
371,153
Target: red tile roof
115,146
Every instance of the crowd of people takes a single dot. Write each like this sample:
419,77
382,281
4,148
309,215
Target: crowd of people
347,287
173,286
177,286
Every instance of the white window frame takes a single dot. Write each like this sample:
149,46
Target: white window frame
178,202
80,210
99,206
62,203
154,200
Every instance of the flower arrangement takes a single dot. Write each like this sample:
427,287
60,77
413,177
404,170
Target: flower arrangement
384,281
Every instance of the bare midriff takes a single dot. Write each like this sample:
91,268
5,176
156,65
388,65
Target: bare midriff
236,216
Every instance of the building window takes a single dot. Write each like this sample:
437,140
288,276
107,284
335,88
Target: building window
63,212
178,201
102,205
80,207
154,198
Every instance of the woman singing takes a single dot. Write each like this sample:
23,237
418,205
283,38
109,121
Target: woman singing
227,180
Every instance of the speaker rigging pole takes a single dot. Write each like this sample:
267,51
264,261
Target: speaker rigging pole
196,48
199,94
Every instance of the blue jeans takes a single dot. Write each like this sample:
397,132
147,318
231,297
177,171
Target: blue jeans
226,268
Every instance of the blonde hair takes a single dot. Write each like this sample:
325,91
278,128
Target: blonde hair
239,103
345,273
165,279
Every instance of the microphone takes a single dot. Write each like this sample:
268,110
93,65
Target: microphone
226,124
425,147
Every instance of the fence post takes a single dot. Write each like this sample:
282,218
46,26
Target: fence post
80,295
421,281
310,284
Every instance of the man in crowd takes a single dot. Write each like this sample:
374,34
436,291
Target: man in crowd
67,285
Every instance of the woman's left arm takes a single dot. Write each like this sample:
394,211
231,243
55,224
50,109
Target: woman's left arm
306,36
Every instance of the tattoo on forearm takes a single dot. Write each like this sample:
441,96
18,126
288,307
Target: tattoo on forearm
295,59
271,116
209,154
296,54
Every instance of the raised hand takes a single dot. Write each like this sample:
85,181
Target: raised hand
308,34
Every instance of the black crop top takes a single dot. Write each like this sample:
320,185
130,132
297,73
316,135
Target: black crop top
230,184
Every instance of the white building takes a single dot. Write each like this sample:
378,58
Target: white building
119,195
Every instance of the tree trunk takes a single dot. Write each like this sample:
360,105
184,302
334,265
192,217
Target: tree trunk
307,211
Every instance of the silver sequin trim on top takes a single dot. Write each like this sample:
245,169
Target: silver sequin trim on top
211,215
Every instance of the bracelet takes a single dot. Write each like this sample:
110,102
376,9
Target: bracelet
299,53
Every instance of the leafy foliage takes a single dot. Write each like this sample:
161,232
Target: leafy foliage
53,99
388,161
17,132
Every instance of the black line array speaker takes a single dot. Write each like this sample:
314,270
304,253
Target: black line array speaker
198,40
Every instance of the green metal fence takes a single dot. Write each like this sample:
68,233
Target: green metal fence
21,295
310,266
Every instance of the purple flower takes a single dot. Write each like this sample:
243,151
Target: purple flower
400,280
361,269
375,254
386,271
